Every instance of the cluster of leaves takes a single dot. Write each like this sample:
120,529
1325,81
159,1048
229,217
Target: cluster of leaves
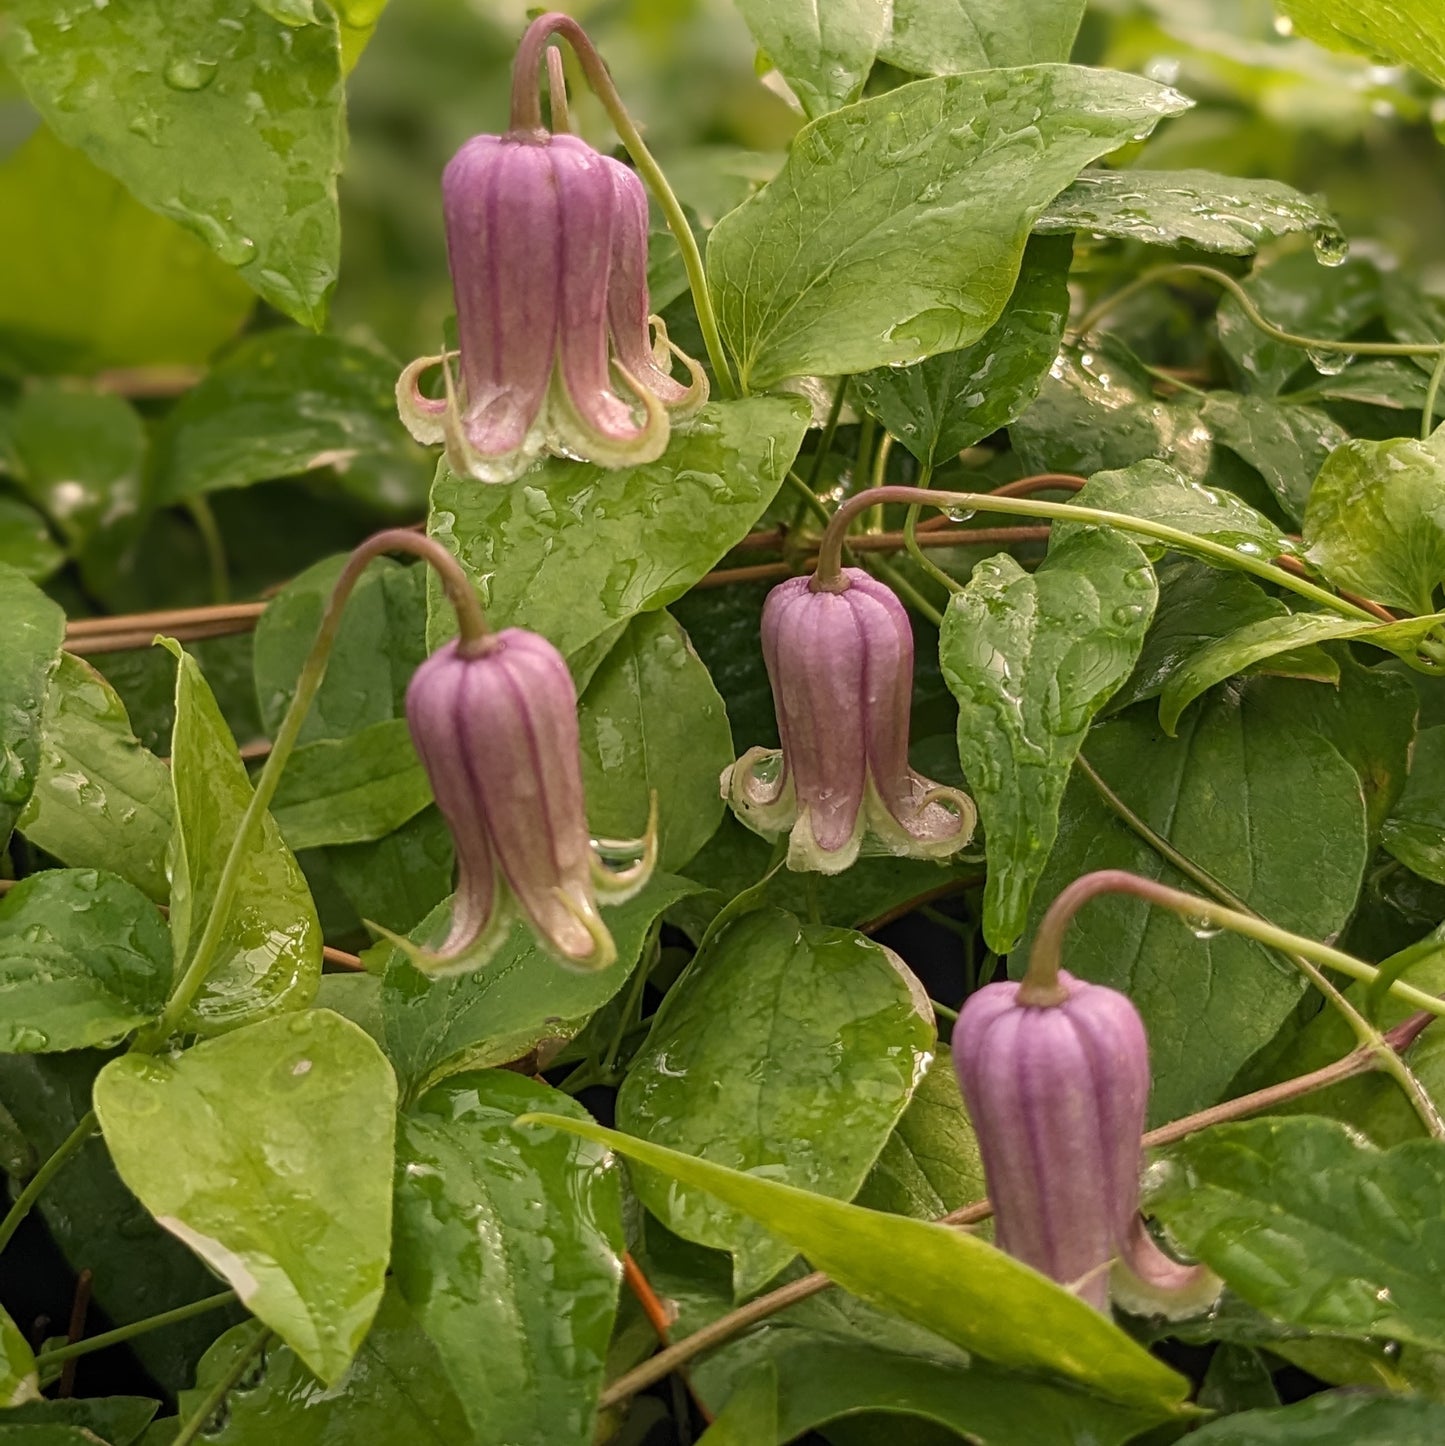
340,1145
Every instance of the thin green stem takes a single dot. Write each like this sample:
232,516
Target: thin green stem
830,549
195,1423
137,1328
527,117
910,535
808,497
474,638
215,545
1432,393
632,1004
943,1011
905,590
557,93
825,438
879,477
35,1186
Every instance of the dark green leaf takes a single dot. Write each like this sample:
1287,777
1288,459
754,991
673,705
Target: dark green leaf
397,880
929,194
651,721
1415,831
29,652
1337,1418
269,1152
1388,382
786,1048
573,549
543,1303
1270,810
823,51
25,541
84,959
523,997
1031,659
48,1436
723,624
1237,1379
270,952
101,800
942,37
957,398
160,97
1409,31
1375,522
751,1414
1314,1226
286,402
118,1420
1287,445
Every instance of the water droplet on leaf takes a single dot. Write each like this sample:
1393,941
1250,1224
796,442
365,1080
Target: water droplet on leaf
189,74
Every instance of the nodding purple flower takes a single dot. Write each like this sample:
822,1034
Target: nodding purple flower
1057,1092
496,730
547,241
841,668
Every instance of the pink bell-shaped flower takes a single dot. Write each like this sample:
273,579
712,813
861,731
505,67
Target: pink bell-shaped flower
841,667
1057,1084
547,241
496,729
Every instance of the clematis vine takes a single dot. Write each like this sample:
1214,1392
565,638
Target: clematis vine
840,661
547,245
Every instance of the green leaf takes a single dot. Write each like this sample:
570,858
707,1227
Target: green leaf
84,959
929,193
1191,208
269,957
1031,659
1409,31
1156,492
775,1028
751,1414
283,403
1415,832
101,800
1270,810
1314,1226
18,1380
25,541
48,1436
1375,522
118,1420
436,1027
160,97
1335,1418
955,399
29,653
94,280
543,1302
651,721
394,1393
1287,445
823,51
269,1152
945,1279
399,879
943,37
350,790
573,549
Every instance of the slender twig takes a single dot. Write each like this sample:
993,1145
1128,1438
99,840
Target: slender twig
211,1402
35,1186
1294,565
136,1328
79,1309
659,1317
825,439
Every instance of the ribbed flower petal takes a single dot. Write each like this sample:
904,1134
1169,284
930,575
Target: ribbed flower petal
759,789
1146,1281
421,415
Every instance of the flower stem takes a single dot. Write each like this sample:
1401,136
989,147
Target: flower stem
211,1402
557,93
527,115
1432,392
910,535
136,1328
474,638
35,1186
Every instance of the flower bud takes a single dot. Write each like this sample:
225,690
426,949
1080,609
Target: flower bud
841,668
547,243
497,733
1057,1093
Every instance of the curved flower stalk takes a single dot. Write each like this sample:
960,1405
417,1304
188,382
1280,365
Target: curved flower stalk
1056,1079
547,244
496,728
840,663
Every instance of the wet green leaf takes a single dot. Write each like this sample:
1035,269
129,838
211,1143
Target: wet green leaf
1315,1226
522,998
117,1420
1415,831
651,720
18,1379
286,402
397,880
160,97
929,193
1375,522
269,1152
270,951
1409,31
787,1049
84,959
1031,659
945,1279
1270,810
95,280
48,1436
101,800
751,1414
952,400
942,37
25,541
545,1303
823,51
1336,1418
1192,208
29,653
572,549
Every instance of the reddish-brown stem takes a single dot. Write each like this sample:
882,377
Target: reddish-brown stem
659,1317
1294,565
79,1309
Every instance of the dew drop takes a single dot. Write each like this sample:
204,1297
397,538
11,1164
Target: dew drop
959,514
1332,248
189,74
1329,363
1201,928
